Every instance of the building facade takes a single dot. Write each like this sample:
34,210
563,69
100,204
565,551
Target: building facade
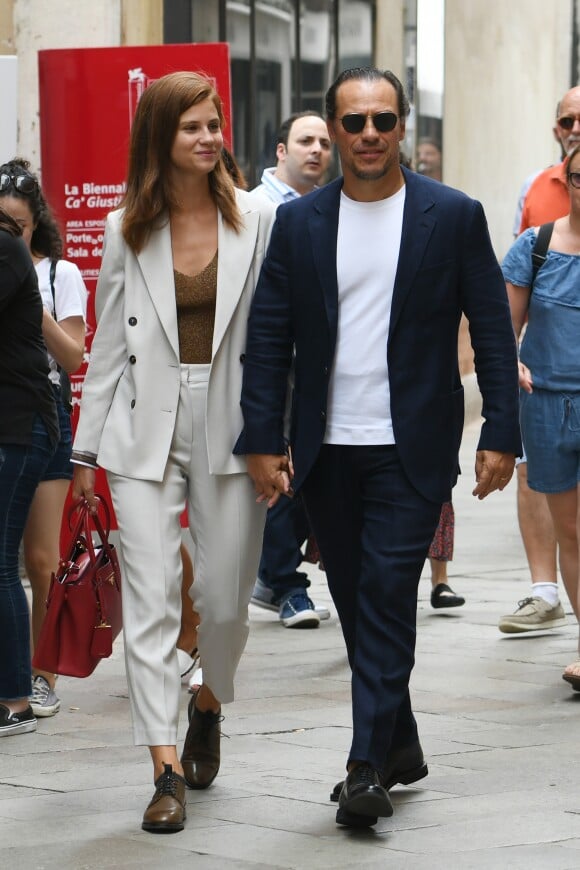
483,76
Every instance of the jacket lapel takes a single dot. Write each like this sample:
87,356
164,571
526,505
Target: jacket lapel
156,262
323,229
235,257
418,225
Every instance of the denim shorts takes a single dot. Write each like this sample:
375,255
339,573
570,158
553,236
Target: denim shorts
60,466
550,423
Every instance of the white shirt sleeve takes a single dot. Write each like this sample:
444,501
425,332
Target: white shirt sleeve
70,292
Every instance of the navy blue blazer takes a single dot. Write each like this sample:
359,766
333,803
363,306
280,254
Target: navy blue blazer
446,266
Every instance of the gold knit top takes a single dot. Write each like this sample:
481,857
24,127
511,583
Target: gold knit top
195,297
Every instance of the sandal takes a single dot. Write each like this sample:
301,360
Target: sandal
187,661
195,680
573,679
444,596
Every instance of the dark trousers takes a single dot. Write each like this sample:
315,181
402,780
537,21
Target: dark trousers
285,531
373,530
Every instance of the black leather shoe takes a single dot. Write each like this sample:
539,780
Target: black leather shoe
362,798
444,596
405,766
166,811
201,750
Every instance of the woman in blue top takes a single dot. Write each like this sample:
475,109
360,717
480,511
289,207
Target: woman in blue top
549,372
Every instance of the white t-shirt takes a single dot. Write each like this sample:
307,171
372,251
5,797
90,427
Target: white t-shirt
70,296
369,239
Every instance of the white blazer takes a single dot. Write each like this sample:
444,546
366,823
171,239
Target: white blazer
131,390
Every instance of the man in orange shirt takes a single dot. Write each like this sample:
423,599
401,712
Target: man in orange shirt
547,199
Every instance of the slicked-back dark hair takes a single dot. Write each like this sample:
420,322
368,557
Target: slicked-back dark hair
369,74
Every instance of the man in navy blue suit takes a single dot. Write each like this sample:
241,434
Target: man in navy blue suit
365,281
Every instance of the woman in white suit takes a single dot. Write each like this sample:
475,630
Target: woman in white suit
160,412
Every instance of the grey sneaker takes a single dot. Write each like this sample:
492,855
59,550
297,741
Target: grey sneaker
262,596
533,614
43,699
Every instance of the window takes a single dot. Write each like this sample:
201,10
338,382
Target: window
284,54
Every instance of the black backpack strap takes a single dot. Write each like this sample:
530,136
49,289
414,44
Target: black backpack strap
65,387
52,275
540,249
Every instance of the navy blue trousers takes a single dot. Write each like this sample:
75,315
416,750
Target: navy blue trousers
374,530
285,531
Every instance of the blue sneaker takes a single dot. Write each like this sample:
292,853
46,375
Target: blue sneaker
263,597
297,611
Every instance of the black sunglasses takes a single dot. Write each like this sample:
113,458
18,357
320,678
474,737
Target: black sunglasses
567,122
574,179
384,122
22,183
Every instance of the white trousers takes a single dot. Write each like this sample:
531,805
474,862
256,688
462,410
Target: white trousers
227,527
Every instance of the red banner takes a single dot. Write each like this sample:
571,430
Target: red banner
87,102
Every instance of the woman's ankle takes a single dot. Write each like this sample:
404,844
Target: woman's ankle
17,705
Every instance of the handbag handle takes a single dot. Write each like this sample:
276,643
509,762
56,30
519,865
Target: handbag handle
83,531
82,505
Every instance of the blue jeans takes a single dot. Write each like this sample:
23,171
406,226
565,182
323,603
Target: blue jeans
285,531
21,468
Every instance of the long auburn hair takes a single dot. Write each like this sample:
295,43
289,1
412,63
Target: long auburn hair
149,195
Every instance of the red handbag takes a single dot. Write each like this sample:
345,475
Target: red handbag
83,609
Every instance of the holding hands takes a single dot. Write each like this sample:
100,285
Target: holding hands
272,476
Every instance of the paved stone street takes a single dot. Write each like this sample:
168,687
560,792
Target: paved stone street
498,725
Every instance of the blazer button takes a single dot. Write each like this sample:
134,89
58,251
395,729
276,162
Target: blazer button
132,359
132,321
132,403
325,370
323,415
242,358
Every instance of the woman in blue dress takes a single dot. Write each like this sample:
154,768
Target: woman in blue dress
549,374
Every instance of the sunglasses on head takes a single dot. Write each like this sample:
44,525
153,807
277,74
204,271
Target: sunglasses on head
574,179
22,183
568,121
384,122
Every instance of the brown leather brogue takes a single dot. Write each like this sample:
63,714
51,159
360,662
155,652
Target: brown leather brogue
166,811
201,750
